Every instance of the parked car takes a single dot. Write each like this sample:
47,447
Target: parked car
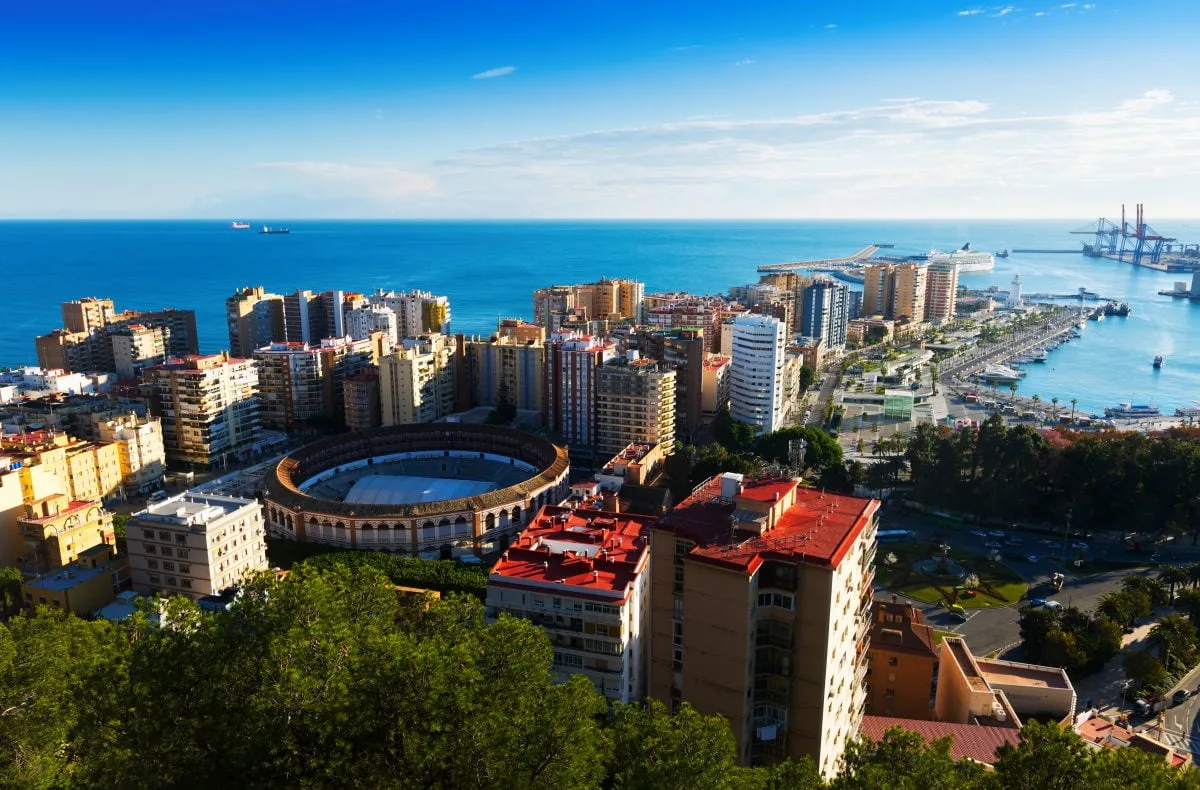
1031,558
1179,697
992,544
1054,606
1079,544
1038,602
1053,545
1013,542
995,533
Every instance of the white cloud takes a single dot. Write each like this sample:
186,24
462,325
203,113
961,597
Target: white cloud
685,48
745,62
830,26
971,12
502,71
384,183
911,157
1039,13
1005,11
1068,5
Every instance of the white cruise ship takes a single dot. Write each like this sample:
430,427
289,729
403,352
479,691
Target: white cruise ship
1133,411
968,260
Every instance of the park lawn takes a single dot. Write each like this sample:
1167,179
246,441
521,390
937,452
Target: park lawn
1003,580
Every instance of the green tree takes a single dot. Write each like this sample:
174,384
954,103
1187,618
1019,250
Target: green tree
652,749
1188,602
10,592
1049,757
505,410
1175,640
1173,576
807,377
821,450
1153,588
1145,670
730,433
902,759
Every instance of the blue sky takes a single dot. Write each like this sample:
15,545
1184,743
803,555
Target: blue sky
597,108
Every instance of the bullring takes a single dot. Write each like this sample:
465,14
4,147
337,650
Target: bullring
432,489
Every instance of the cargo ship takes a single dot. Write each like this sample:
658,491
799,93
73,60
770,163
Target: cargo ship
239,225
272,231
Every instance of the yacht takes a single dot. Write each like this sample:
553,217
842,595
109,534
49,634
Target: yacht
968,260
1001,374
237,224
1132,411
1188,411
1157,362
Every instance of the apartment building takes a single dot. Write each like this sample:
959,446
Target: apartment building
140,450
635,402
582,576
704,313
208,405
941,292
300,381
760,595
613,300
136,347
90,347
896,291
902,661
195,544
255,318
825,313
361,399
57,529
683,350
509,365
572,364
416,383
417,312
83,586
637,464
84,470
714,386
756,372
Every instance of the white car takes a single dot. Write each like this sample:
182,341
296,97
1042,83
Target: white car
1054,606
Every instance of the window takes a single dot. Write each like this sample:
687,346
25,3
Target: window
778,600
186,584
166,551
180,539
893,661
567,660
168,566
155,579
41,599
889,693
677,659
185,568
164,535
151,548
152,564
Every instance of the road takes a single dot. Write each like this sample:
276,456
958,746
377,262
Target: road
988,630
979,356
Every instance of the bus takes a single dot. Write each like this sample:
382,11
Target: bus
895,535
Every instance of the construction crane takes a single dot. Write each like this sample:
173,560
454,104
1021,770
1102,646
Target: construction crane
1140,242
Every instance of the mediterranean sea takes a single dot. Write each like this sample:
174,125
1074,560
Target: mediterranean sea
489,270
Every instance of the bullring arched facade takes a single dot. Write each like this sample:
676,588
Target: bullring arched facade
478,523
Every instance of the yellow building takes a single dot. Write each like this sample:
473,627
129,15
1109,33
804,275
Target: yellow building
84,470
58,529
82,587
139,444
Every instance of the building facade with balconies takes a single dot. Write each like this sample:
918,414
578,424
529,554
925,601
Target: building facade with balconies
635,403
581,575
760,611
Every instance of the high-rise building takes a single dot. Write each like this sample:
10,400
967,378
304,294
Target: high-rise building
298,381
417,312
361,398
416,383
255,319
760,593
684,351
825,313
582,575
362,320
704,313
854,307
895,291
86,314
505,367
208,405
139,443
91,349
941,291
756,390
196,544
612,300
572,361
137,347
714,387
304,317
635,403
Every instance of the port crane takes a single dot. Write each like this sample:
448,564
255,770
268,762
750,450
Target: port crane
1140,242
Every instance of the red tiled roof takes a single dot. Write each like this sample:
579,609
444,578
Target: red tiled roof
592,550
973,741
819,528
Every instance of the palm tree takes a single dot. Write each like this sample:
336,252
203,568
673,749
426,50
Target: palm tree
1115,606
1054,403
1188,602
1073,402
1175,639
1194,574
1173,575
1013,387
1152,587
